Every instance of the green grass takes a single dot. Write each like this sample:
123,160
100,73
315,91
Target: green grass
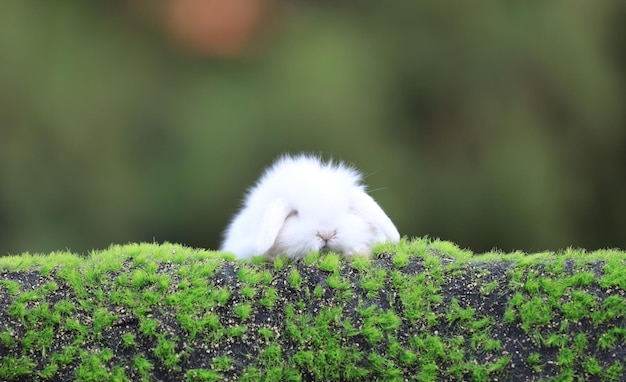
329,262
423,310
295,280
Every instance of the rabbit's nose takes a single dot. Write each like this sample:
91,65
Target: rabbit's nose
326,235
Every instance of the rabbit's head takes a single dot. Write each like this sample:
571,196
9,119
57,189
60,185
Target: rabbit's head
302,205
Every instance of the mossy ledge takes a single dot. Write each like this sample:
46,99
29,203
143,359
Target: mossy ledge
420,310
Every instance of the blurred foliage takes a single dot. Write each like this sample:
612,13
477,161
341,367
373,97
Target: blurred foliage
496,124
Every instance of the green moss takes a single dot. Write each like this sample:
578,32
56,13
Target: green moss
450,249
373,281
336,281
535,313
235,331
222,363
251,373
295,280
248,291
329,262
270,298
266,333
614,274
318,291
535,362
280,262
129,341
165,351
401,258
67,357
608,340
148,327
12,368
488,288
220,296
592,366
93,366
565,359
422,309
458,314
613,306
10,286
249,275
360,263
243,311
48,371
614,372
102,320
581,306
142,365
202,375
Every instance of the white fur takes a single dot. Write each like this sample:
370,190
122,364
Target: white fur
302,204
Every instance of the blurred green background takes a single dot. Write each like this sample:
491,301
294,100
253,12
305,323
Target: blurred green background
497,124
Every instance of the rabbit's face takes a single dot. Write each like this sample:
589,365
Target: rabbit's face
302,204
343,232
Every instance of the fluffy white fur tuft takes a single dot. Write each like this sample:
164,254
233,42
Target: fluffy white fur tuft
302,204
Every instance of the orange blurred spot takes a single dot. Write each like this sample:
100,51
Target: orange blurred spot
215,27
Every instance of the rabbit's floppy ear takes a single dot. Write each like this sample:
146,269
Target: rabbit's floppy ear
271,222
366,207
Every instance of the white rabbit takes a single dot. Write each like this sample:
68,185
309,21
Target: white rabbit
302,204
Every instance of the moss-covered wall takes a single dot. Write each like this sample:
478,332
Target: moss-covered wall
422,310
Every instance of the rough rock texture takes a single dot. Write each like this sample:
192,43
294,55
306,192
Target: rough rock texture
423,310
